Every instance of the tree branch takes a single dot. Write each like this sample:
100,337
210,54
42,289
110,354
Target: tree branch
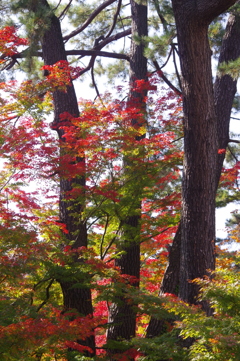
102,44
89,20
89,66
65,10
175,66
94,82
113,38
234,141
161,17
114,19
165,79
94,52
232,154
13,60
202,10
210,9
225,86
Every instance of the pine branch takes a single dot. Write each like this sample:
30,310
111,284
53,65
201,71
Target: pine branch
89,20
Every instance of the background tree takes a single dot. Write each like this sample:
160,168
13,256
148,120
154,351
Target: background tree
122,315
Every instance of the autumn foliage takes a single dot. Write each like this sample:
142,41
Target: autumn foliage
34,249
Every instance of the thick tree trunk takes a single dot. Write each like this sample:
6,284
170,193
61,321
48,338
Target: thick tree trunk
138,62
200,141
122,315
224,92
225,86
200,155
54,51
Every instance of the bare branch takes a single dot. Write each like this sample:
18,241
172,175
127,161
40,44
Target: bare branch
232,153
103,237
89,66
104,54
165,79
59,2
13,60
94,82
168,57
234,141
89,20
114,19
175,66
9,62
101,45
65,10
161,17
47,295
113,38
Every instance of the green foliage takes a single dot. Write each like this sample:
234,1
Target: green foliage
216,337
216,32
159,45
231,68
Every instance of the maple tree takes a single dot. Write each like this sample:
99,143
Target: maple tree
105,136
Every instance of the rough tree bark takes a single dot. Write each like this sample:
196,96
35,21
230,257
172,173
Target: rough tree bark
200,141
224,92
53,51
225,86
122,315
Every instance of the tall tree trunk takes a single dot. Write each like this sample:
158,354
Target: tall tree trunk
122,315
225,86
73,297
224,92
200,141
200,152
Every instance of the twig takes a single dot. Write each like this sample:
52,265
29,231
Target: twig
93,81
103,236
113,38
175,66
164,64
232,154
104,54
59,2
47,295
112,241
